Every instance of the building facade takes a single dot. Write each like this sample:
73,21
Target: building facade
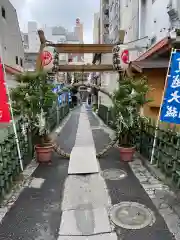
79,31
114,20
11,44
109,33
145,22
104,21
57,34
96,28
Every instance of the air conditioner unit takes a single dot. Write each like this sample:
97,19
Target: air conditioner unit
172,10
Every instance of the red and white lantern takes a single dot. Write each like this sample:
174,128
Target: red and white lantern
120,57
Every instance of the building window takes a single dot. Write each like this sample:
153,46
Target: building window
3,12
21,62
17,60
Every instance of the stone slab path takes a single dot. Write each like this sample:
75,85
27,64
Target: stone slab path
55,205
83,155
86,201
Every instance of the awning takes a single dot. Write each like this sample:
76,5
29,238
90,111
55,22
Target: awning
150,64
11,70
166,42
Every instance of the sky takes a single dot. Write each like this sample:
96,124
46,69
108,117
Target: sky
58,13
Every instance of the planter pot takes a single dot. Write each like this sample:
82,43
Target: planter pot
44,153
126,154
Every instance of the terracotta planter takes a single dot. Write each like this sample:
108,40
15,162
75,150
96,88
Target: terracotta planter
126,154
44,153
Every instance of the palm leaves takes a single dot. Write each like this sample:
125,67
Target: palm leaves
32,94
127,101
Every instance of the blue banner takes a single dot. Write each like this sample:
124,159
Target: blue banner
170,109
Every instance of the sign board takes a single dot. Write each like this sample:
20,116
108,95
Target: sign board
47,57
170,108
5,116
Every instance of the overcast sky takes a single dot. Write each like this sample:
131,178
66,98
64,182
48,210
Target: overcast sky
58,12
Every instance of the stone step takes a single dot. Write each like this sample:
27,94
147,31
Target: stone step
83,160
106,236
84,222
85,192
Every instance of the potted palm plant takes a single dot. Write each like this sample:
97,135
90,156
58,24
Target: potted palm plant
128,99
32,99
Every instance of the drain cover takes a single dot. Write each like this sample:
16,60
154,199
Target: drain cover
131,215
114,174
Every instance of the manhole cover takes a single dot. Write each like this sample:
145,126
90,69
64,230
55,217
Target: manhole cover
131,215
114,174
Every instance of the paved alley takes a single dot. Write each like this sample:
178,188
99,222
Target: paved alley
86,199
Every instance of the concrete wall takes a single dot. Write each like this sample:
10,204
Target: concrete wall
10,80
114,20
108,81
33,37
154,26
96,28
10,35
141,18
129,19
30,61
104,32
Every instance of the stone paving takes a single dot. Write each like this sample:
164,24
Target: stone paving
157,191
120,201
86,201
136,186
83,155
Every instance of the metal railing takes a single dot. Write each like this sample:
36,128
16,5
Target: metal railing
167,148
9,160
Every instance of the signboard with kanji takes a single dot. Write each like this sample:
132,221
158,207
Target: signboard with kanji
170,109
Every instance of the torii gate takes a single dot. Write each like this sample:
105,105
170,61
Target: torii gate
76,48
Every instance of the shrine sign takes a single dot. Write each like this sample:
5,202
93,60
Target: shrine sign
170,108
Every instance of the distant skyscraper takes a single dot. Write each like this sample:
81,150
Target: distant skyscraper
79,30
96,28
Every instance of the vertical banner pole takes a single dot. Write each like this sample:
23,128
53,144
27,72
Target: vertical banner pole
158,119
11,110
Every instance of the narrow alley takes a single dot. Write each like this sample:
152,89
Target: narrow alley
105,199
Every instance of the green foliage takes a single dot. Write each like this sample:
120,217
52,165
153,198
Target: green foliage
63,90
95,107
127,101
74,90
32,96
